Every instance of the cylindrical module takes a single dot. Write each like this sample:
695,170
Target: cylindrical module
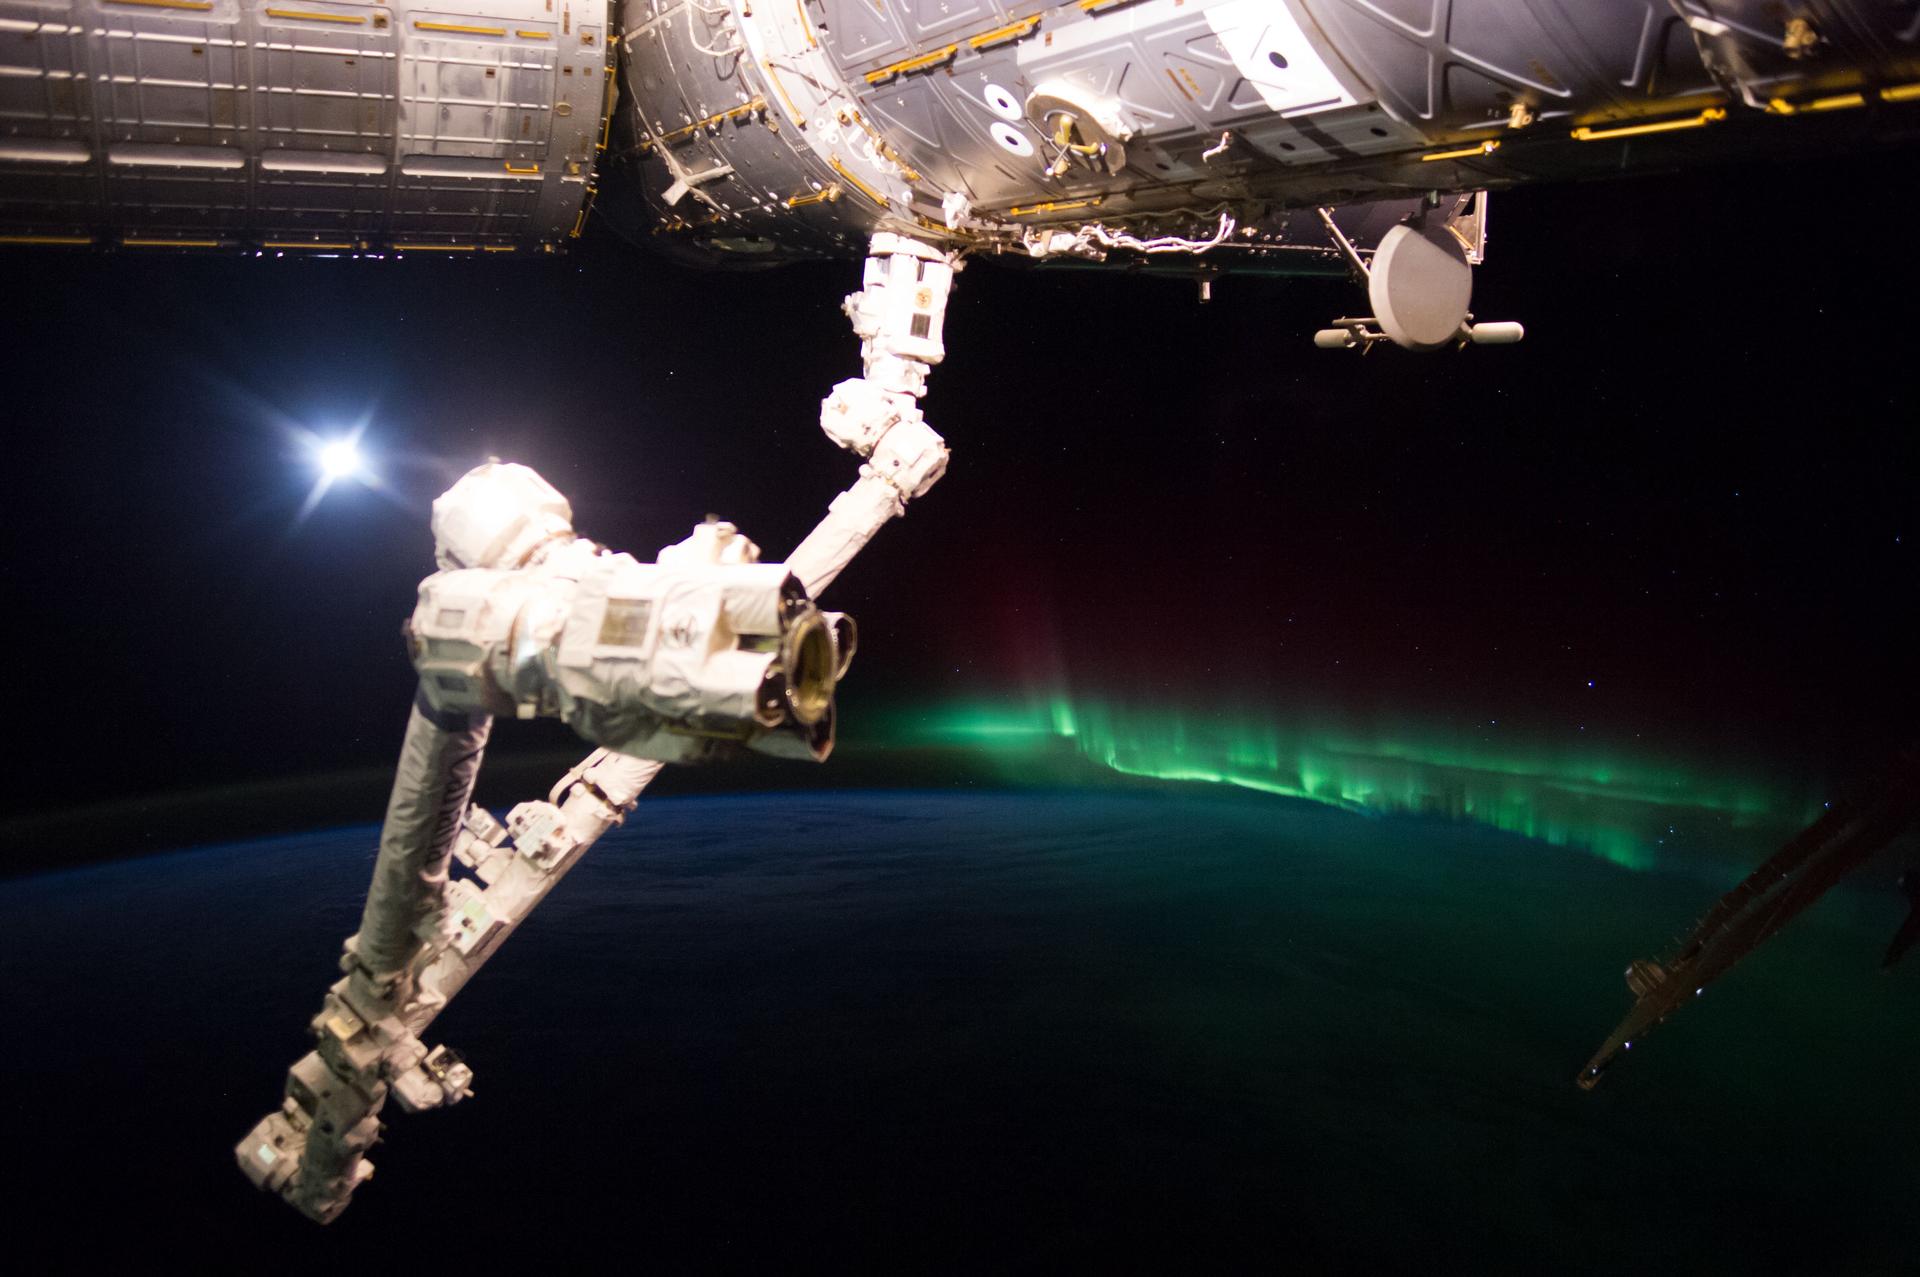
768,131
739,133
463,126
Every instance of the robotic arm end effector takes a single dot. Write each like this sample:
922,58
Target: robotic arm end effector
688,658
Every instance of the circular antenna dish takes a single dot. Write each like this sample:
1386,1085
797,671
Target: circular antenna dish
1421,285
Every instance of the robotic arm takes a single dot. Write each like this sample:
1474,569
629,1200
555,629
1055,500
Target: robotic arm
898,314
701,654
685,659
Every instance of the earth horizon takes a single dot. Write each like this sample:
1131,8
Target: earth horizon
1007,1029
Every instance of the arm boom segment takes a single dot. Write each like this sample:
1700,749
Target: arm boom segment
424,932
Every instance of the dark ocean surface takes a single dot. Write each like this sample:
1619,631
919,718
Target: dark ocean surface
904,1032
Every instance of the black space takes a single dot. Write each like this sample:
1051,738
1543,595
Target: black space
1693,486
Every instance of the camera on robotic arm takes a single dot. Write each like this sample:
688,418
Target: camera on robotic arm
698,655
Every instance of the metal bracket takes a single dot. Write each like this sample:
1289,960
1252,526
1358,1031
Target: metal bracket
1364,333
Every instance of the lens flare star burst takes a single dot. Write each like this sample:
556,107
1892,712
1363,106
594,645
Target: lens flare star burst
335,460
339,459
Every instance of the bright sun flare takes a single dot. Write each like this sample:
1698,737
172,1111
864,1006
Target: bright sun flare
339,459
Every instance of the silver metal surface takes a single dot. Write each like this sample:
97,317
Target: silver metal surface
754,133
1253,108
300,124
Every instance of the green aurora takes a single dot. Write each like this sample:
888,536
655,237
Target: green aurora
1627,805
